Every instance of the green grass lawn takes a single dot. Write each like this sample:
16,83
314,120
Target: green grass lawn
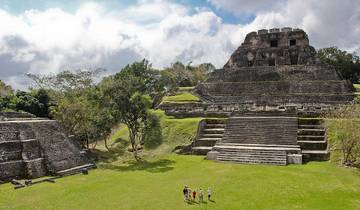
181,97
186,88
158,184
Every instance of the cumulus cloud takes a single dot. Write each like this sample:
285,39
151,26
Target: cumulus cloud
246,7
329,23
162,31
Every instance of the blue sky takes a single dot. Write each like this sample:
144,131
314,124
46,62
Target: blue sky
19,6
46,37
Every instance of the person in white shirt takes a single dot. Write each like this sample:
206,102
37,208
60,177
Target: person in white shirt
201,195
209,193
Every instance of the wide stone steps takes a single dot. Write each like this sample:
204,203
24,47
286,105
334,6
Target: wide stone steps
253,156
255,141
210,131
212,135
316,155
313,145
312,132
310,121
208,142
310,126
214,131
215,126
275,87
312,139
324,98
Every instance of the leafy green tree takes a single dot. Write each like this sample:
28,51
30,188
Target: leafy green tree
344,133
79,104
180,75
129,92
7,98
36,102
5,90
347,64
153,135
66,81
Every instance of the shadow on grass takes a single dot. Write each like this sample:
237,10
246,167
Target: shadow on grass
158,166
118,148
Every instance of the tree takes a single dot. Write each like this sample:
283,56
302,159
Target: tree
5,90
344,132
79,105
36,102
180,75
347,64
129,92
7,97
67,80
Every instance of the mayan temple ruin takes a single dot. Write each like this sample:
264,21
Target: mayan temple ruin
34,147
265,94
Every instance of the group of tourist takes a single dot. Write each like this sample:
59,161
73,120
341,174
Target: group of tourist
190,195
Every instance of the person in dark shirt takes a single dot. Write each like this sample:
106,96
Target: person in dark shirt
185,191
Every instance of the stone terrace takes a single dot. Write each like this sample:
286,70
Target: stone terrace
33,148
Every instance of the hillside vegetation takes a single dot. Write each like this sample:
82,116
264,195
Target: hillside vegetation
174,132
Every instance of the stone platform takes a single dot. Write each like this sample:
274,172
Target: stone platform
31,148
258,140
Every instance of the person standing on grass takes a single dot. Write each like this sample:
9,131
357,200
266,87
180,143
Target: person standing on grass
185,191
189,193
209,193
194,195
201,196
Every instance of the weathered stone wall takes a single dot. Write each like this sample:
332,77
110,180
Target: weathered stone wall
274,47
278,73
6,115
34,148
249,80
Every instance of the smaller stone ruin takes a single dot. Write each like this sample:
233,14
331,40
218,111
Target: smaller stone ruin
32,147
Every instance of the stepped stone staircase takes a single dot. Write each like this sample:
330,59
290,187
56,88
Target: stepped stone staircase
31,148
252,155
254,140
312,139
265,139
209,132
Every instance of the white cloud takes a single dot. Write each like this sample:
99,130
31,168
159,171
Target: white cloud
246,7
328,23
161,31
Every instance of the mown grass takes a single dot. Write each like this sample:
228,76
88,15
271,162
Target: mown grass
181,97
157,184
186,88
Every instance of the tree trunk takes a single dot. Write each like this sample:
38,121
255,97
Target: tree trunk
106,144
132,136
87,140
96,141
